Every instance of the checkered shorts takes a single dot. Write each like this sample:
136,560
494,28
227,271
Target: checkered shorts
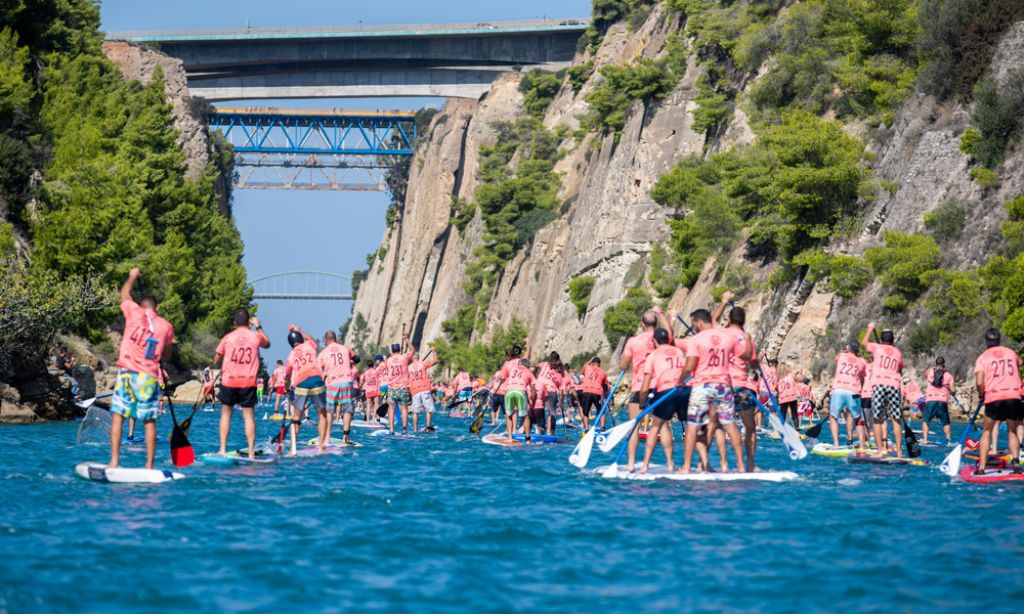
885,403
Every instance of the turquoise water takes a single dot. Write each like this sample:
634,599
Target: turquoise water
445,523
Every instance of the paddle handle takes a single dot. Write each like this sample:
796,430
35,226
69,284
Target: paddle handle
608,399
970,423
636,422
688,329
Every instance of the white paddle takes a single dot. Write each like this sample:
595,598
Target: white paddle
581,454
614,436
951,464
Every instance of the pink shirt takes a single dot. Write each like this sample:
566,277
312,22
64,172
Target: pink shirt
787,389
865,391
371,385
462,381
738,366
398,371
336,362
277,377
542,391
139,325
850,370
301,363
638,348
772,379
240,350
594,379
516,376
1001,367
912,392
886,363
803,390
713,349
941,394
382,373
665,366
419,381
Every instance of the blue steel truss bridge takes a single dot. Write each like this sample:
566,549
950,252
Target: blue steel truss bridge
314,150
302,286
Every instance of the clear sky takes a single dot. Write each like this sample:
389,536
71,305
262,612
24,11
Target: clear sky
287,230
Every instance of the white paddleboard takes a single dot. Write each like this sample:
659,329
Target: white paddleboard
363,424
98,472
658,472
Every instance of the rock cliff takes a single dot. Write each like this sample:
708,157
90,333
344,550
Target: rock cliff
609,222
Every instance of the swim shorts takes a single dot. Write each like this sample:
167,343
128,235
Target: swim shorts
537,416
136,395
400,396
243,397
885,403
341,393
465,394
706,397
311,389
669,407
937,410
515,401
843,399
744,399
590,400
422,402
1010,409
279,390
497,402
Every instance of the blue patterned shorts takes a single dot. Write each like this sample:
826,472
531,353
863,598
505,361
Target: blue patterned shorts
136,395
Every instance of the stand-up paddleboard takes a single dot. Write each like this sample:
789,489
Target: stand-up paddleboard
875,459
334,441
1001,457
140,441
501,440
363,424
98,472
659,472
275,417
539,439
311,451
998,475
238,457
829,450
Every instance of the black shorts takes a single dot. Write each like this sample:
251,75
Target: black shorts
536,416
497,402
1011,409
636,398
676,406
590,400
865,404
244,397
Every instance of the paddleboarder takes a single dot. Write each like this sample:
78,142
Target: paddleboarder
144,342
238,357
997,378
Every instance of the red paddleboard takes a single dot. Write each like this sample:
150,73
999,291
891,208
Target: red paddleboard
991,476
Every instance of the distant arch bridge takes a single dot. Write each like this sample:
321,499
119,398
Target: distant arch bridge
302,286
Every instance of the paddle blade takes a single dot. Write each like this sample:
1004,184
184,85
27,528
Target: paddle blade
382,410
951,464
815,430
611,471
913,448
609,440
95,426
183,457
581,455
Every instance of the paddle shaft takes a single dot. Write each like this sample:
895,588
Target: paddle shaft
689,330
607,399
636,423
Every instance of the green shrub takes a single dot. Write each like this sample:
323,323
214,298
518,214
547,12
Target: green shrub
579,293
643,80
983,177
462,213
953,298
539,88
6,241
622,319
901,266
664,272
712,107
958,38
1013,229
482,358
889,186
579,75
846,275
946,221
999,117
923,338
969,141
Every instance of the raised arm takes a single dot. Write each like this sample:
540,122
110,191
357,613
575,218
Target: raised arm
726,299
129,284
264,339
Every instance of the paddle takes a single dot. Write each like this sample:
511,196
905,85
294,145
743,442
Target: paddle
615,435
790,438
613,469
913,448
814,431
478,417
581,454
382,410
689,330
951,464
182,453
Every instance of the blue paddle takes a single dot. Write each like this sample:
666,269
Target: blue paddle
951,464
614,467
581,454
790,438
